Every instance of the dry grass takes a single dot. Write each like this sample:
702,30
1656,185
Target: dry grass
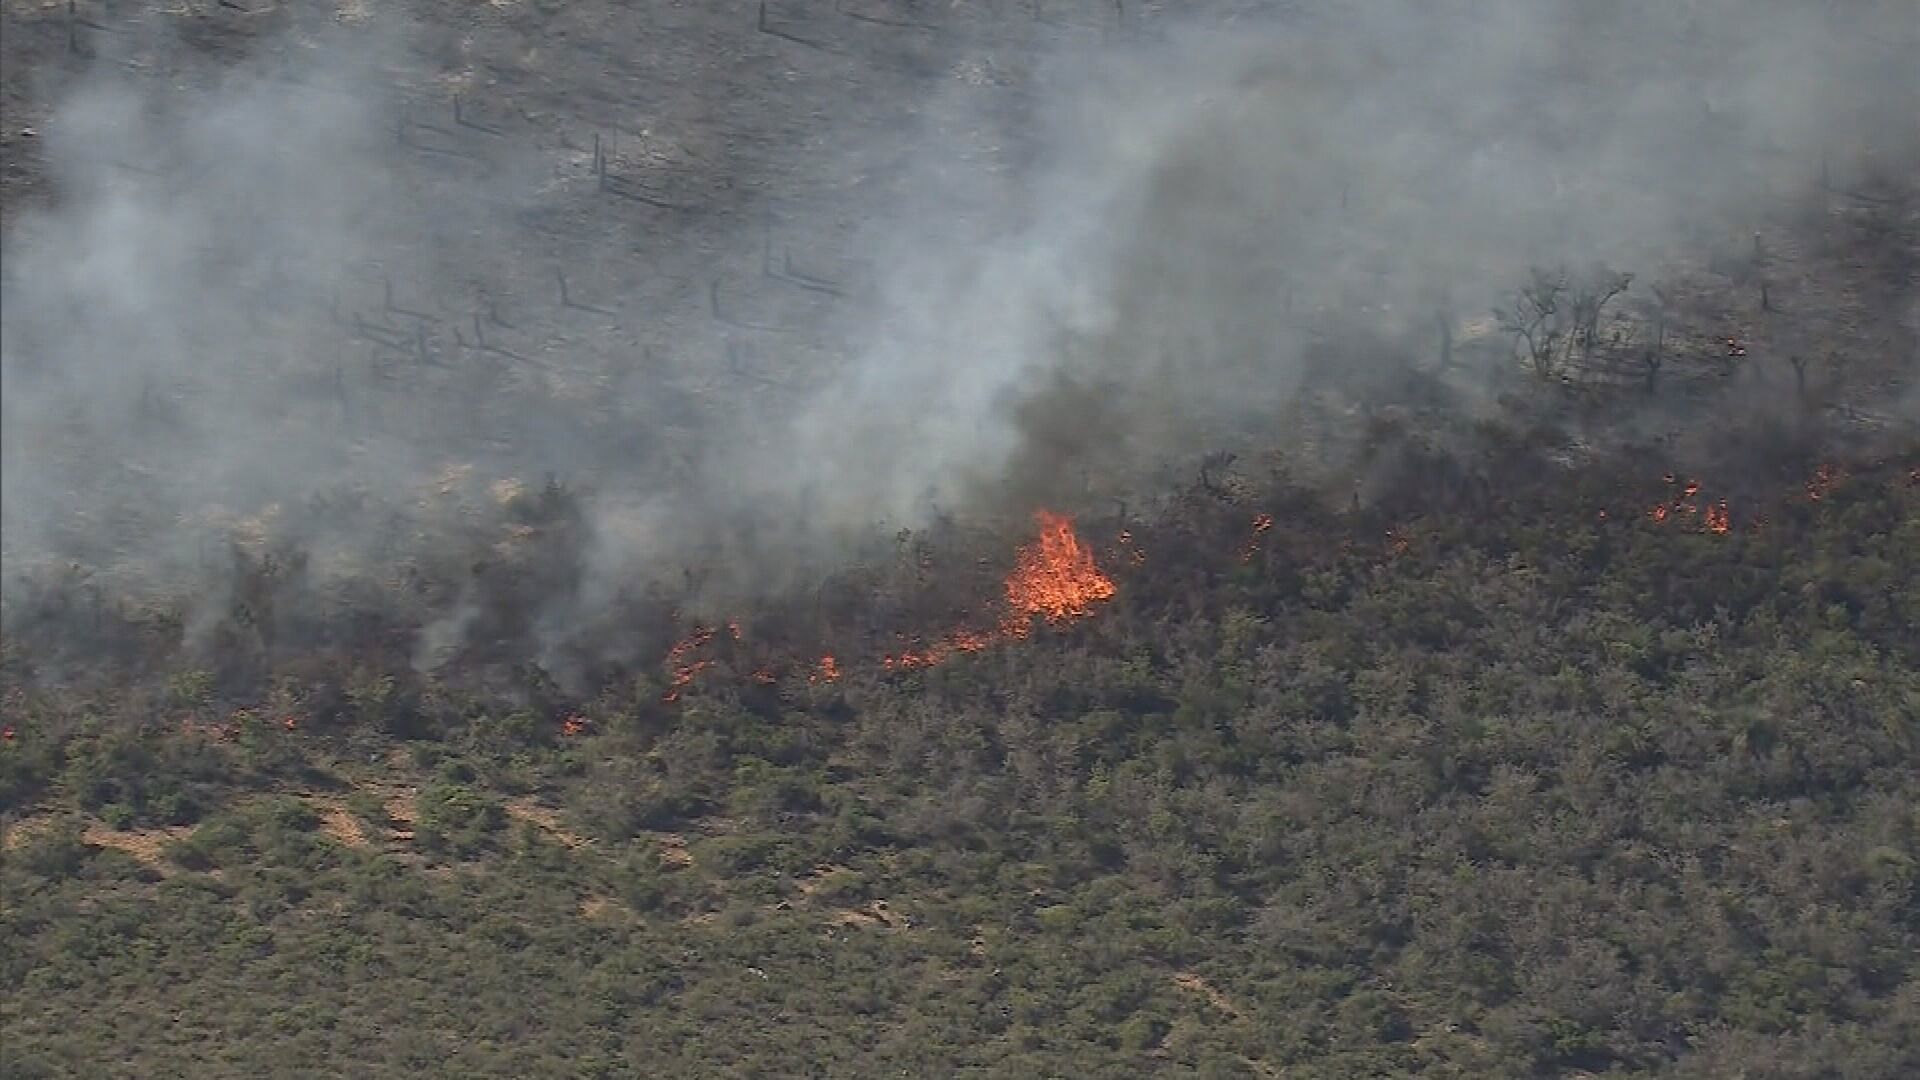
548,819
673,851
146,845
604,909
876,913
337,823
18,833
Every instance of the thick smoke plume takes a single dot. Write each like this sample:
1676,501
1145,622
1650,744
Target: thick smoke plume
305,316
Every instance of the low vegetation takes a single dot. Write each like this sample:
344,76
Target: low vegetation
1568,779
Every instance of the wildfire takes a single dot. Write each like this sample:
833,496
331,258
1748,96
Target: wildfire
1261,523
1823,480
1054,577
573,725
680,668
959,641
1714,517
218,732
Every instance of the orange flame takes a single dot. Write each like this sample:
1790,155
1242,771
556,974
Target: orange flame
1261,523
682,670
1823,480
1054,577
959,641
573,725
1715,517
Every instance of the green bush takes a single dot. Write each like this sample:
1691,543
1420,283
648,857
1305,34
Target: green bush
457,818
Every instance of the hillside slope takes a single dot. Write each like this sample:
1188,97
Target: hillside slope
1524,790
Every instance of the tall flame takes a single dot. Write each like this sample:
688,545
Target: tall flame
1054,577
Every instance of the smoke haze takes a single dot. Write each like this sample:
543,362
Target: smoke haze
759,313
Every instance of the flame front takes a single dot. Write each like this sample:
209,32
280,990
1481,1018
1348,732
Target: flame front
1261,523
681,668
1054,577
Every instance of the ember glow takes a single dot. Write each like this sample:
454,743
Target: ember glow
1714,517
959,641
1261,523
682,669
1822,482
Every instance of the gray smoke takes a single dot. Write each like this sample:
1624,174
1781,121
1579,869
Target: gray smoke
301,310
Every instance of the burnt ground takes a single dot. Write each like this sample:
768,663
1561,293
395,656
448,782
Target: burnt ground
743,146
736,142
